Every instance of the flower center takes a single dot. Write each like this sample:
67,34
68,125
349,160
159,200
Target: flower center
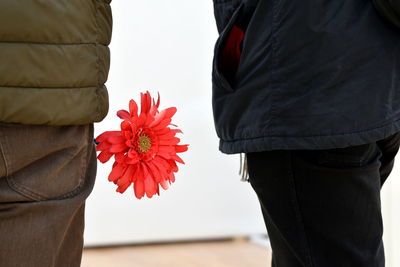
144,143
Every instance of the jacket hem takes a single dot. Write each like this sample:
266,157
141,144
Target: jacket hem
308,142
46,106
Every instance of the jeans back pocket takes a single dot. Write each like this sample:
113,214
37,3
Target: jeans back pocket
46,162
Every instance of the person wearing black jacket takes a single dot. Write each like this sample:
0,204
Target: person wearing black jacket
310,92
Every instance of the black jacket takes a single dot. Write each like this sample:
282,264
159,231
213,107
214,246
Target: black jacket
312,75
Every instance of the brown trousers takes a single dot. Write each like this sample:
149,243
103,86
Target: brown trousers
46,174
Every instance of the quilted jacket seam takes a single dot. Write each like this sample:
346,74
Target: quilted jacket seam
45,43
48,87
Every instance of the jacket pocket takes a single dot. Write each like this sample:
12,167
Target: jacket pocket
219,78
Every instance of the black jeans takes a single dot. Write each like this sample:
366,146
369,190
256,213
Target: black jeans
322,208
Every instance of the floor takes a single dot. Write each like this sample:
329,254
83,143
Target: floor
227,253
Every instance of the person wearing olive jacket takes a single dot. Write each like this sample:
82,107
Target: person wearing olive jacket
310,92
54,62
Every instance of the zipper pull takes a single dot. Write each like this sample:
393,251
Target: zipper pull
243,171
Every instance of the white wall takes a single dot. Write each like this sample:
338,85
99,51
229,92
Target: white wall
165,47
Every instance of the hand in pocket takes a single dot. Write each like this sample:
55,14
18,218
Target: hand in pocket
231,52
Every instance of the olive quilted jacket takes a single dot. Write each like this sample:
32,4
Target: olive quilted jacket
54,61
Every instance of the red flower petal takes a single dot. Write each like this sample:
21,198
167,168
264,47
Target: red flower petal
161,168
164,123
118,148
128,175
154,172
163,163
122,188
164,114
138,173
178,159
181,148
166,149
103,146
120,157
172,177
133,109
170,112
142,119
164,184
117,172
139,188
164,155
133,154
104,156
170,134
163,131
102,137
116,139
169,142
145,103
123,114
126,126
174,167
158,100
150,186
176,130
145,172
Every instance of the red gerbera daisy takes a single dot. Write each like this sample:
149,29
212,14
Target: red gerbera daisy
145,150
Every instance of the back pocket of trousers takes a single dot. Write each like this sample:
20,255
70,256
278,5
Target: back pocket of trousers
46,162
351,156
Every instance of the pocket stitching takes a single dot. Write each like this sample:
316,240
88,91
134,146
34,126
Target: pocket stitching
32,195
23,190
3,158
84,161
326,157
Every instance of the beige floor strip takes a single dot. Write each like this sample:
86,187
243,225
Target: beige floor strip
235,253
